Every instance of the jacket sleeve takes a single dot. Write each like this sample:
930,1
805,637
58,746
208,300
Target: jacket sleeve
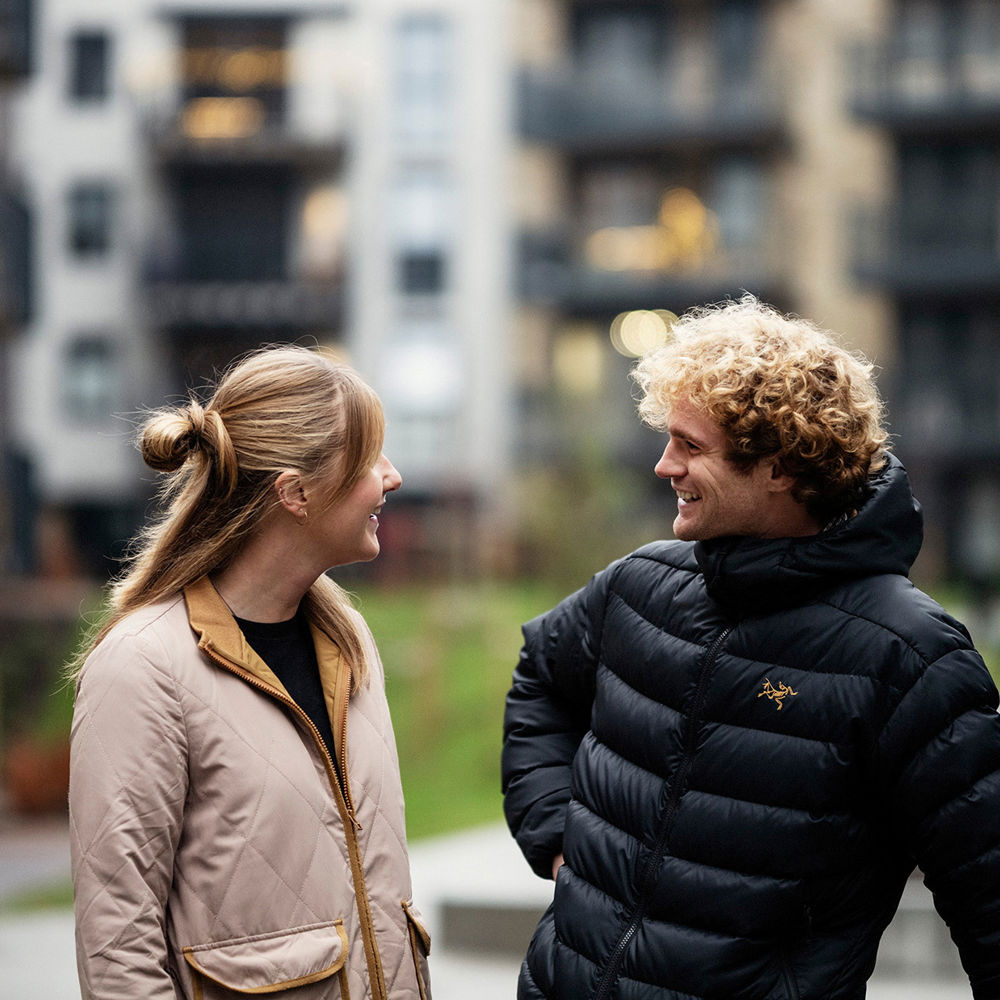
547,715
940,750
128,784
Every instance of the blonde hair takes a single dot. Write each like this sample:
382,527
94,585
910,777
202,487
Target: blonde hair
276,409
780,388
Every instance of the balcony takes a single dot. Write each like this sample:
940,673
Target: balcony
235,131
15,39
185,305
926,96
582,113
553,273
947,264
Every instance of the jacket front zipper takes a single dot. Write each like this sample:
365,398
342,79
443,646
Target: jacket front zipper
342,795
646,879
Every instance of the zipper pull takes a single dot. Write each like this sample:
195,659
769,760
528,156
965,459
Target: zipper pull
354,819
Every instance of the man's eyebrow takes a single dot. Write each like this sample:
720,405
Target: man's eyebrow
679,432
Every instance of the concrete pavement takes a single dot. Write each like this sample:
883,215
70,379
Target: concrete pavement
480,900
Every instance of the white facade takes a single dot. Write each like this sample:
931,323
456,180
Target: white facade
414,213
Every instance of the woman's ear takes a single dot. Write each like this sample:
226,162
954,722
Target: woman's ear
291,493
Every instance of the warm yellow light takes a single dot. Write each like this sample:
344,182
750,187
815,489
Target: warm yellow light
640,331
324,213
223,117
324,225
247,69
578,360
629,248
692,226
685,233
237,70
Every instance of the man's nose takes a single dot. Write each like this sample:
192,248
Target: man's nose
668,467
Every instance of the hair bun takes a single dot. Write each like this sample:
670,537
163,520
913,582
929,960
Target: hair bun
170,437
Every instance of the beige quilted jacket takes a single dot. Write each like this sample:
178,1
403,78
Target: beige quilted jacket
215,851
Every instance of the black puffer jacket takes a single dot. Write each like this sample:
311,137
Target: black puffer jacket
743,747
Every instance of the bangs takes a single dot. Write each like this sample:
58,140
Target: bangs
363,429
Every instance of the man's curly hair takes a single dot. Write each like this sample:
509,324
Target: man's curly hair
780,388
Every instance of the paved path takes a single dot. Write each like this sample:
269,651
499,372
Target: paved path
477,894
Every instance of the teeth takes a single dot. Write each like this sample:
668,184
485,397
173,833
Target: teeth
687,497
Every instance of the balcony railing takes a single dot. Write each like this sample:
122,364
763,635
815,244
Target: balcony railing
949,264
237,135
553,273
291,304
959,95
578,111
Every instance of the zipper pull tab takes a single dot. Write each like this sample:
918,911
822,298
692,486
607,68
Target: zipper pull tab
354,819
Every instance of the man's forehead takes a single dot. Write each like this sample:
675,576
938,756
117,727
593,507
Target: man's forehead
686,418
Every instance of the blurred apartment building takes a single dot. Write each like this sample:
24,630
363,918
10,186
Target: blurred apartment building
201,179
490,208
15,297
839,160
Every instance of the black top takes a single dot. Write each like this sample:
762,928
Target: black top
287,648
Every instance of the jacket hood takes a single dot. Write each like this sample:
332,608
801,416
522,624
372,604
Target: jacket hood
756,575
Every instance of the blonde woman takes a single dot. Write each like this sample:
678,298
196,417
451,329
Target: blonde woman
236,812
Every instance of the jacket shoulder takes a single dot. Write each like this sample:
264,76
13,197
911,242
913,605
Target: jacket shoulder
668,553
895,606
153,634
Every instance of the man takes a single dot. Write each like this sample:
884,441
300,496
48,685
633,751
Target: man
743,741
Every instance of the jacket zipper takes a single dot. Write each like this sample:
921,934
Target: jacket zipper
338,783
333,776
678,787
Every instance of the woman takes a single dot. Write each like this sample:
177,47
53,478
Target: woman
236,812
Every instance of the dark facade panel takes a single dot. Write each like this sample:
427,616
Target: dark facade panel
16,22
15,262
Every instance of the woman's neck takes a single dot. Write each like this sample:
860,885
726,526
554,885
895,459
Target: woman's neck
264,582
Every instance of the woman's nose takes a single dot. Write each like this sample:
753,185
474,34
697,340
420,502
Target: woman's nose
391,479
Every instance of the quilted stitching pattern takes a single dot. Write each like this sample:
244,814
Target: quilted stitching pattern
195,793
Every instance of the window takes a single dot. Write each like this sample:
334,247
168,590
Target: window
621,45
90,379
948,195
424,83
89,66
89,219
737,27
421,272
738,201
234,74
421,212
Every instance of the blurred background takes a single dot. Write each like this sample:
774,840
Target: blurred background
490,208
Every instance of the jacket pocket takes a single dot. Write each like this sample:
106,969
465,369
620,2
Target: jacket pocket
268,963
420,946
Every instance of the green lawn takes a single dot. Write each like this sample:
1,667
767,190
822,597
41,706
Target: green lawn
449,653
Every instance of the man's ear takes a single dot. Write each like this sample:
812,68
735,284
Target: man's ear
779,481
291,492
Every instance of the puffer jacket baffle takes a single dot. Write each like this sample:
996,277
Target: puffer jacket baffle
743,747
216,851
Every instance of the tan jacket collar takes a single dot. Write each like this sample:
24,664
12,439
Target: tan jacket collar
219,634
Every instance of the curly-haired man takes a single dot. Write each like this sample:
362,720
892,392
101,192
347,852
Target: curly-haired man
731,750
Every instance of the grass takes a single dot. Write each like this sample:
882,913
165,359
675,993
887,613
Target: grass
449,653
58,896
